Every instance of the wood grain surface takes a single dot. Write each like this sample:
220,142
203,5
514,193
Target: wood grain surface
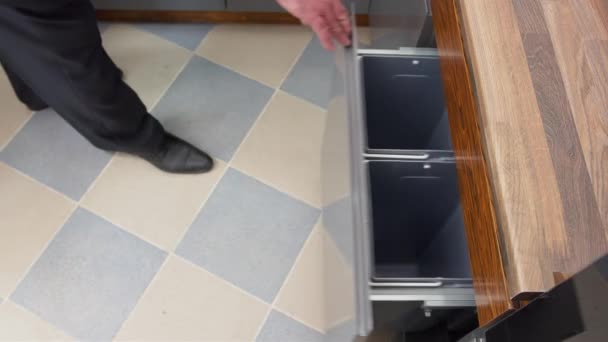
489,277
540,70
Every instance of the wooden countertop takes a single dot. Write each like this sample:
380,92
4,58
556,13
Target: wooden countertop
527,86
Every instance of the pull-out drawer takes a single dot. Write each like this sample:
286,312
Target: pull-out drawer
391,204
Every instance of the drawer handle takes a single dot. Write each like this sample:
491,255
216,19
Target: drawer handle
408,284
423,156
409,76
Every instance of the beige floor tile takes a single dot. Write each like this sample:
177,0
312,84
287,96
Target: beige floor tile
150,203
284,148
302,296
17,324
150,63
262,52
30,215
13,114
186,303
338,278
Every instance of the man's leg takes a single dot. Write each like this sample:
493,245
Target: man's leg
24,93
54,48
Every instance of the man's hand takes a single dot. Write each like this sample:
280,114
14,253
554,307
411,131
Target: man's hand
328,18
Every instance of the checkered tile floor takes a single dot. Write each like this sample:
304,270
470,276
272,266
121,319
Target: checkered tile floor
101,246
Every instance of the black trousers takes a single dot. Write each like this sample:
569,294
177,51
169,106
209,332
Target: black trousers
52,53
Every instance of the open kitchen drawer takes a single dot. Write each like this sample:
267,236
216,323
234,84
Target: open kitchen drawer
391,204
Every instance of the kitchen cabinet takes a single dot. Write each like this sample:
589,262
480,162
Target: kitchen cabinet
253,6
161,5
261,6
272,6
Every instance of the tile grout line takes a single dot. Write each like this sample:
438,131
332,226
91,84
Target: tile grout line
198,211
169,84
280,84
226,281
248,77
120,227
41,319
251,129
42,250
278,189
297,59
143,293
194,51
264,321
96,180
29,269
341,321
276,298
328,239
298,320
276,91
308,102
324,110
19,128
280,87
133,25
307,242
32,179
240,73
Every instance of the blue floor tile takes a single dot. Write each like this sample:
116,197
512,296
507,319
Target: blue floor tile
51,151
279,327
311,77
89,278
249,234
212,107
188,36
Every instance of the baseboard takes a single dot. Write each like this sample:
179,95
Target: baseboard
207,17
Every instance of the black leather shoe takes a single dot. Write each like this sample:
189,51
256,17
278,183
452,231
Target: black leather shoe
178,156
36,106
